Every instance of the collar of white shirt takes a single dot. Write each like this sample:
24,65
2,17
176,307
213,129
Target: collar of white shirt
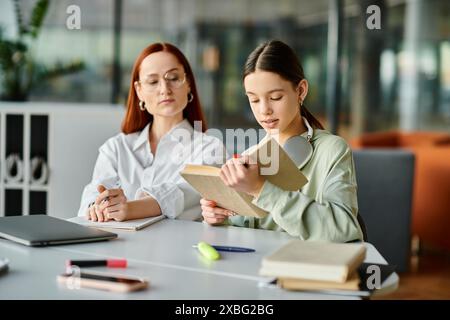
143,135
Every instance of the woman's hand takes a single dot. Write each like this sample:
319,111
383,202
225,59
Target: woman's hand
93,212
110,204
212,214
116,206
241,175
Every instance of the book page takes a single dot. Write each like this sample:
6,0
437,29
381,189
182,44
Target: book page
276,166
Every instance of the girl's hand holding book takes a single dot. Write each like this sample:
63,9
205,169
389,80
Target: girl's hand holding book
242,175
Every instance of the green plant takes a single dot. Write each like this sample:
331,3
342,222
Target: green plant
19,71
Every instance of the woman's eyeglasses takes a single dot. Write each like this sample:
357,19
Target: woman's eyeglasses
174,80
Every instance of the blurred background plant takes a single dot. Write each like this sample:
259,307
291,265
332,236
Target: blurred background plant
19,71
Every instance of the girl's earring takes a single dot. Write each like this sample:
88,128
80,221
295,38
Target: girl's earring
190,97
142,105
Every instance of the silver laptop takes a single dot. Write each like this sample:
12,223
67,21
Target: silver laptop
43,230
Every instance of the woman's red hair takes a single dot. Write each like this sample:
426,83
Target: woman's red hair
135,119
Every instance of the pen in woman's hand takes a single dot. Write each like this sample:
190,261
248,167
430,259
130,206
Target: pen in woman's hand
116,186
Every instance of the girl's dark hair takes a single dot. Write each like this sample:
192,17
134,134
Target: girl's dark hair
277,57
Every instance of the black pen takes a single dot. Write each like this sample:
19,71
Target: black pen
232,249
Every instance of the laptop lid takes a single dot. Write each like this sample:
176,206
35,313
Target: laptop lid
43,230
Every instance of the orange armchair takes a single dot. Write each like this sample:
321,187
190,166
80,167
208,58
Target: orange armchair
431,191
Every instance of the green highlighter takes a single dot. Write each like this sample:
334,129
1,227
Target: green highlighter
207,251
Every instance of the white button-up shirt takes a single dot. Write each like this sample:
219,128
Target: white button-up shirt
126,161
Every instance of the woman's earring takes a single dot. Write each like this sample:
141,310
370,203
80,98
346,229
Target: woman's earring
190,97
142,105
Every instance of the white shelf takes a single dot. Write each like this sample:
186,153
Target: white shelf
22,186
74,134
44,188
14,186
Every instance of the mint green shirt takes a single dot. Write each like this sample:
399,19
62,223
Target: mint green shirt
325,208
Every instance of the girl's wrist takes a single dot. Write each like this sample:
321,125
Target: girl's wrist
259,185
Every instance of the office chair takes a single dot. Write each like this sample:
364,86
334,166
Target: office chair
363,227
385,185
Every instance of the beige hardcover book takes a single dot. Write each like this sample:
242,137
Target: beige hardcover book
310,260
301,284
206,180
275,165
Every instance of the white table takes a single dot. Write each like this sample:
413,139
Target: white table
163,254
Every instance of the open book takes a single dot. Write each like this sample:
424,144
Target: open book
275,165
136,224
311,260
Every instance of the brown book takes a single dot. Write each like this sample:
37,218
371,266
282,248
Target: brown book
302,284
314,260
275,165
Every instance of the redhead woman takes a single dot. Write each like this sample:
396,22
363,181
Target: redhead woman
137,171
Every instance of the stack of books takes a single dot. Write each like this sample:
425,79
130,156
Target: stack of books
316,266
275,164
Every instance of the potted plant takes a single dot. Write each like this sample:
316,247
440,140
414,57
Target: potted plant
19,71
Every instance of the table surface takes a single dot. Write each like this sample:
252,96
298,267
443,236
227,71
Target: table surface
163,254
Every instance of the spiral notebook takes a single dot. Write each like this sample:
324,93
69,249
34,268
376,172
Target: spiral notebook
134,225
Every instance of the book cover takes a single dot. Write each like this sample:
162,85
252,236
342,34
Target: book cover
311,260
276,165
